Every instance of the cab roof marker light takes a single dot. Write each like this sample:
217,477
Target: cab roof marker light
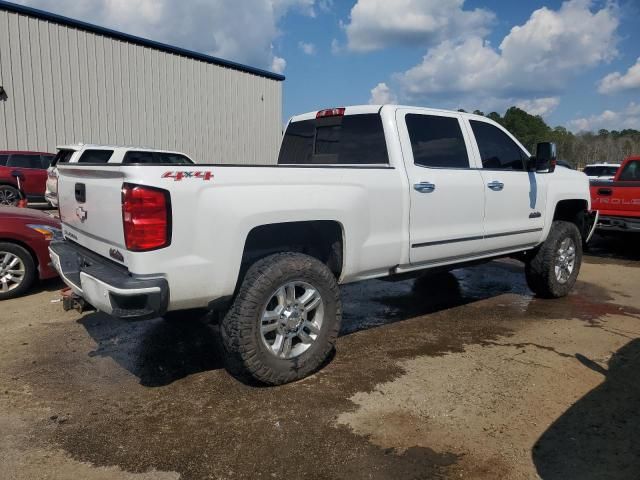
331,112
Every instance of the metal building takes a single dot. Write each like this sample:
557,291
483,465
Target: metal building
65,81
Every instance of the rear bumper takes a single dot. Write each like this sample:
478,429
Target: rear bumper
110,288
618,224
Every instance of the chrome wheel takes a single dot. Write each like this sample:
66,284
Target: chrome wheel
292,319
12,271
8,195
565,260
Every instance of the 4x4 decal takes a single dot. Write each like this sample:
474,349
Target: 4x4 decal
177,176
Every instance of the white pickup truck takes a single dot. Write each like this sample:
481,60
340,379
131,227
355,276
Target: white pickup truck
358,193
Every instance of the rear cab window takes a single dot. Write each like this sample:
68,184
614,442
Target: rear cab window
340,140
600,171
95,156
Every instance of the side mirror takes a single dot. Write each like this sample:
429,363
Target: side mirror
546,157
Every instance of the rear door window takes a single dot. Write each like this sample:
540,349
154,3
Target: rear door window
3,160
95,156
138,157
347,140
25,161
171,158
437,142
497,150
164,158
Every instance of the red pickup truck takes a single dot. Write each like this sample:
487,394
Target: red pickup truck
618,200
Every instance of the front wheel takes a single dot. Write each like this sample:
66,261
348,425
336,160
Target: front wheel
553,269
17,270
284,321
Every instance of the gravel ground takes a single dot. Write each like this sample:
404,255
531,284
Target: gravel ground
457,375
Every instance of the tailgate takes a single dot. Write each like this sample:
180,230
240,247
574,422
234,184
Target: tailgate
90,203
621,198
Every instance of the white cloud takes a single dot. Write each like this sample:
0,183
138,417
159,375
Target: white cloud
278,64
617,82
381,94
539,106
532,65
325,5
628,117
376,24
539,57
242,31
307,48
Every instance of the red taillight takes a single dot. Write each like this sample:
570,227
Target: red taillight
331,112
146,216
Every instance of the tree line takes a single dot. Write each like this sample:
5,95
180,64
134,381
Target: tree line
578,149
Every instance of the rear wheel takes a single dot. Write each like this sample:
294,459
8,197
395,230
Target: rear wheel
17,270
284,321
9,195
553,269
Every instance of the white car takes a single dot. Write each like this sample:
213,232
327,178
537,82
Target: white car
601,171
82,153
358,193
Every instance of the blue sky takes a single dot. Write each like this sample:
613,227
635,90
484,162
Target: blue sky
577,63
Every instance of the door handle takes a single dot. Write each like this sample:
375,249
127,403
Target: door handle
605,191
424,187
495,186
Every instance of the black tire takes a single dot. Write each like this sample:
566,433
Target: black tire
540,268
240,329
9,195
29,276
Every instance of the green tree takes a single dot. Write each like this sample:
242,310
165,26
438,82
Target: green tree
578,149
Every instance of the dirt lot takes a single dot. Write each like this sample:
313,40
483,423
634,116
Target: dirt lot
460,375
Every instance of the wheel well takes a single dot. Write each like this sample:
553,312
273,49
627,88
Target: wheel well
322,239
573,211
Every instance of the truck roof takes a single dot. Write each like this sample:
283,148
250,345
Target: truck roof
81,146
362,109
23,152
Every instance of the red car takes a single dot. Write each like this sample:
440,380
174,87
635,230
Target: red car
32,169
24,249
618,201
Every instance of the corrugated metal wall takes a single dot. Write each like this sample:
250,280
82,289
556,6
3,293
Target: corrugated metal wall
66,85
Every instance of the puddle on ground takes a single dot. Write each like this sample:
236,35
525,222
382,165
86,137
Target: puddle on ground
199,421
